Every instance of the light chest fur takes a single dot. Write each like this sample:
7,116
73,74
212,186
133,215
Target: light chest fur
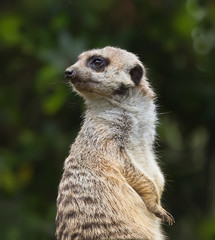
134,122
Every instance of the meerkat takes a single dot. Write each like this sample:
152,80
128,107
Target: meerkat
112,185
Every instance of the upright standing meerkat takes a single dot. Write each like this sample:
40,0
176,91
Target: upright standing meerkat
112,185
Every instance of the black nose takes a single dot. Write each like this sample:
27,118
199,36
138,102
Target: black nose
69,73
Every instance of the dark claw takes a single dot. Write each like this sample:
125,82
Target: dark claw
168,218
165,216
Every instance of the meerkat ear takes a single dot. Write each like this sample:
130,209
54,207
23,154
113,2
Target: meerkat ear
136,74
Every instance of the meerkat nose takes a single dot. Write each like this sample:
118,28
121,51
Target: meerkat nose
69,74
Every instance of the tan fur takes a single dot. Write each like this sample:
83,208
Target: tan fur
111,186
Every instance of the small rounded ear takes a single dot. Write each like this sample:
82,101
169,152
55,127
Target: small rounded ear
136,74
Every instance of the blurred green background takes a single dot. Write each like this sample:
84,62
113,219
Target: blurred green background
40,116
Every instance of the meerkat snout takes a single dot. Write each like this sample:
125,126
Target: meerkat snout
69,73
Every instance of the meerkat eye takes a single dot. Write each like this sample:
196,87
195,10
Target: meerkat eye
97,63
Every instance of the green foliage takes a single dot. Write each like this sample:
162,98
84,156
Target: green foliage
40,117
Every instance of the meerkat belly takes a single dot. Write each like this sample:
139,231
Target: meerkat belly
101,209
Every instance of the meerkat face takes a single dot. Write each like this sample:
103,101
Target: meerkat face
107,72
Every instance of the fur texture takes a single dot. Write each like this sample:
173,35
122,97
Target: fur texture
112,185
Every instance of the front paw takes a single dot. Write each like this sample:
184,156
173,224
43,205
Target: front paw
163,214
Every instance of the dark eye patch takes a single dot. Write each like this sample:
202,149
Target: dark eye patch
136,74
97,63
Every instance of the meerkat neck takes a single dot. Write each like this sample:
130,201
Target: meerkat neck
133,102
137,111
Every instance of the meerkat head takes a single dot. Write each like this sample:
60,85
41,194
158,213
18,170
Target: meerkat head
108,72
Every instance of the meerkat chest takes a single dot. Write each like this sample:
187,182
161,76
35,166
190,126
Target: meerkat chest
140,141
140,152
